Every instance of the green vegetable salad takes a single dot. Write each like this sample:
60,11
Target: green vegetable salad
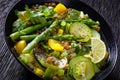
59,43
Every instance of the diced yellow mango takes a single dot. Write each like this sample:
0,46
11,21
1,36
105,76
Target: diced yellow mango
55,45
20,45
23,15
60,8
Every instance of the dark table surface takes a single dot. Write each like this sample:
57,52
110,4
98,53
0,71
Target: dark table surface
10,69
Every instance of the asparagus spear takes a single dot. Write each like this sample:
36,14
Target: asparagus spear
90,22
65,37
40,37
85,21
28,30
57,37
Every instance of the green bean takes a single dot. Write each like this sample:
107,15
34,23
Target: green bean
28,30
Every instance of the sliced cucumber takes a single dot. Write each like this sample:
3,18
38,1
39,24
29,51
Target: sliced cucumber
95,34
80,30
81,68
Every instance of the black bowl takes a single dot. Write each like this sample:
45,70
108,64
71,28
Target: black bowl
76,4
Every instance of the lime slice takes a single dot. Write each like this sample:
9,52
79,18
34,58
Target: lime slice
98,50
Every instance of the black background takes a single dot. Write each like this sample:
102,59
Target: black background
10,69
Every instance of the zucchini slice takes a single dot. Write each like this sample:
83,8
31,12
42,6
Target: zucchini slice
40,59
81,68
81,30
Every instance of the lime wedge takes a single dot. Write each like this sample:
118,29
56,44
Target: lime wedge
98,50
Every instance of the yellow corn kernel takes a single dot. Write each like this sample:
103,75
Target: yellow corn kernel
60,8
60,31
55,45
